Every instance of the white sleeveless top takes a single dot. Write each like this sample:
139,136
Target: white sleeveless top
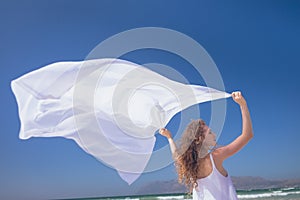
215,186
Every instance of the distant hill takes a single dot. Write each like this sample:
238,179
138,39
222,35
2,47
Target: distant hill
250,182
241,183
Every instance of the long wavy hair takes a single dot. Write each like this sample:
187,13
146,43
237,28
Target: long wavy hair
188,154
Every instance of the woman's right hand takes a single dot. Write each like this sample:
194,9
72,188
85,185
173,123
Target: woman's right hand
238,98
165,132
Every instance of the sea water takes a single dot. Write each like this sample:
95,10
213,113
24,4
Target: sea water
268,194
262,194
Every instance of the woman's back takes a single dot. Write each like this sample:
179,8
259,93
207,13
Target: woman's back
215,186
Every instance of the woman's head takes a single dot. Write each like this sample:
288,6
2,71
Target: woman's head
198,137
195,144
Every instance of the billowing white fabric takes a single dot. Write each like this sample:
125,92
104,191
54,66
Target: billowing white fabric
110,107
215,186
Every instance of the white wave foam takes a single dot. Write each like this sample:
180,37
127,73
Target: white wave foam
171,197
290,188
267,194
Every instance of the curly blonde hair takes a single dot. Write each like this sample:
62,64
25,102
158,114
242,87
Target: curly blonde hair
188,159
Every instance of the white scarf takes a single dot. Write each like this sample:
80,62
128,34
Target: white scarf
110,107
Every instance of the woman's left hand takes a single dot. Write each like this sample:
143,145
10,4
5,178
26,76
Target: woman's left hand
165,132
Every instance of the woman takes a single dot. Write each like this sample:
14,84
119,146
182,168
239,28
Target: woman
200,165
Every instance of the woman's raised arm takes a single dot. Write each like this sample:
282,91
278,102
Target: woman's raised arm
247,132
168,135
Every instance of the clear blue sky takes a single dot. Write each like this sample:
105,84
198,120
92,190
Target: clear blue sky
255,45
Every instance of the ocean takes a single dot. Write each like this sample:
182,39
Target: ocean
262,194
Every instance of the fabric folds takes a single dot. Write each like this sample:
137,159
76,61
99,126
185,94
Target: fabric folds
110,107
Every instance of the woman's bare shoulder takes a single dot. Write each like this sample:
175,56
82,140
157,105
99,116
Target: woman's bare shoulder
218,153
218,160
